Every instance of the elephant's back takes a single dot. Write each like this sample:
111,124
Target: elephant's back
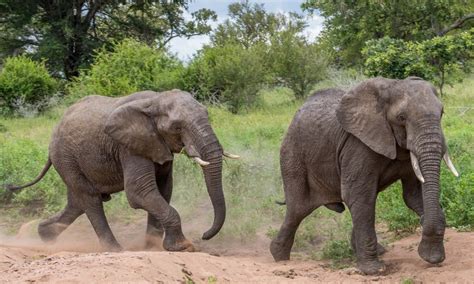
314,132
79,133
84,117
317,116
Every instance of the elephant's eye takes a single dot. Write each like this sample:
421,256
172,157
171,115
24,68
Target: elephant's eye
178,129
401,117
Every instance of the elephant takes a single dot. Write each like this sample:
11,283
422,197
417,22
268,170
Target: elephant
105,145
346,147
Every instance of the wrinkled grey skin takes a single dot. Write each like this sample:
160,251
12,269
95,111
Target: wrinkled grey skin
348,147
105,145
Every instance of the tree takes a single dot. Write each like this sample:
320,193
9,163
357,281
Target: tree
349,24
228,74
296,63
66,32
288,58
250,24
441,59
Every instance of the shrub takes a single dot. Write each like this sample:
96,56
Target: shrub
25,83
296,64
131,66
441,60
227,74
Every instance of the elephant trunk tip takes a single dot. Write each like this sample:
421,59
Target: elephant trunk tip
211,233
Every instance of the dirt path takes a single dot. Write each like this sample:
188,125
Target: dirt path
76,260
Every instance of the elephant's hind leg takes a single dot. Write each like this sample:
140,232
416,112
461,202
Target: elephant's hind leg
298,207
50,229
96,215
89,200
282,244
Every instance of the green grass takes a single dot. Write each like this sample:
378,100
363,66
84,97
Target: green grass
251,184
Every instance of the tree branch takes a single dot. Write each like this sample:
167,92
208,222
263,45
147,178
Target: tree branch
167,40
457,24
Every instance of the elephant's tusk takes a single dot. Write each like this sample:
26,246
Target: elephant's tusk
200,162
416,167
450,165
231,156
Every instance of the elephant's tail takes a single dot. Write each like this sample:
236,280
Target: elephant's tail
280,202
46,167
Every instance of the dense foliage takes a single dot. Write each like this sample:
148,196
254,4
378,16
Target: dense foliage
295,63
250,24
287,58
67,32
227,74
349,24
131,66
24,82
440,59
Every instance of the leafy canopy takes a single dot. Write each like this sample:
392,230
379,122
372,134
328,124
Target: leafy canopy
288,59
131,66
440,59
66,32
348,24
249,24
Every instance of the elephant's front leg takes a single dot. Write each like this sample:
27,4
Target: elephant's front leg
142,192
164,180
362,207
380,248
359,185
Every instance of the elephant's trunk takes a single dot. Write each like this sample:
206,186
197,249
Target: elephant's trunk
213,177
211,151
428,149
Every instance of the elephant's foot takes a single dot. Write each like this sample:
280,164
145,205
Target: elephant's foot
175,241
181,245
280,252
380,249
113,247
371,267
48,231
432,252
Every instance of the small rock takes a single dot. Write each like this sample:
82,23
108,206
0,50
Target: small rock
187,272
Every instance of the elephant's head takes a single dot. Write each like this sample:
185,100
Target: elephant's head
384,113
160,124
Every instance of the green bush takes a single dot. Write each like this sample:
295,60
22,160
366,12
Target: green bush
228,74
441,60
24,82
296,64
131,66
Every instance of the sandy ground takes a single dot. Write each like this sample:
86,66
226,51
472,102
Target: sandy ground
76,258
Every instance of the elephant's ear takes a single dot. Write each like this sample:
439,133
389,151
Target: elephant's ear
362,113
132,126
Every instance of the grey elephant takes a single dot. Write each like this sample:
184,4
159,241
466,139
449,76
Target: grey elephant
105,145
346,147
